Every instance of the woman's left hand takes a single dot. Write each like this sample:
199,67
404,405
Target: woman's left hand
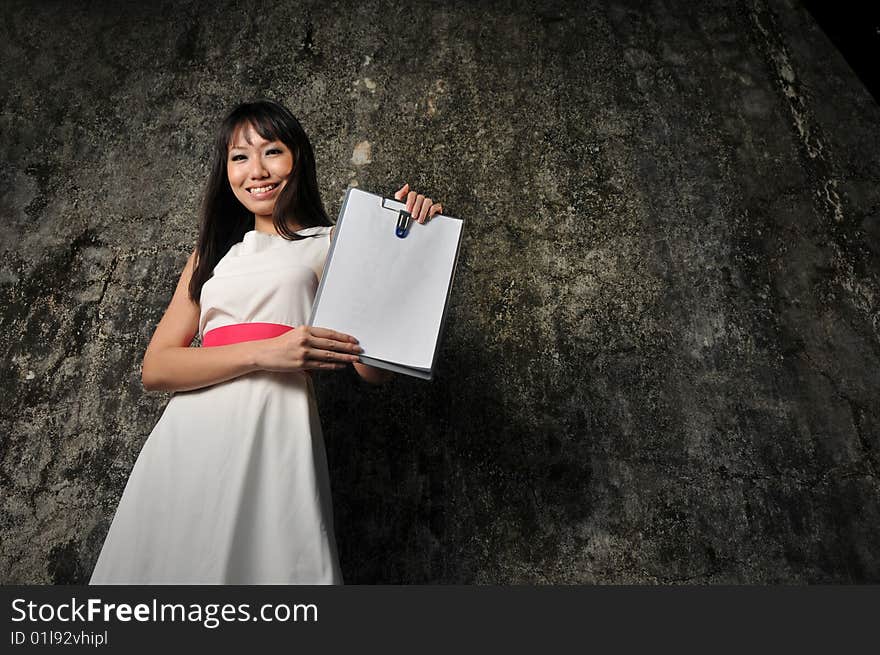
421,208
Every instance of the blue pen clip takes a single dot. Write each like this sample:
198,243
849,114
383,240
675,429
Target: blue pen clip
404,220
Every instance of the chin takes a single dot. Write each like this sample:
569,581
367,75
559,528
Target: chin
260,209
257,207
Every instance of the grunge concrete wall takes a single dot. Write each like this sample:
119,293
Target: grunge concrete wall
662,362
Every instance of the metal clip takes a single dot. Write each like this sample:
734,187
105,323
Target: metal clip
404,221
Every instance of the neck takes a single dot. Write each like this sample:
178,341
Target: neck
266,224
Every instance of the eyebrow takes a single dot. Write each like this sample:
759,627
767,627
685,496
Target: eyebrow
241,147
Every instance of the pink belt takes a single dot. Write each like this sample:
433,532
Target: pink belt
239,332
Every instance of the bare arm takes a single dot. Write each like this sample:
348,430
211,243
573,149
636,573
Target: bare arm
171,365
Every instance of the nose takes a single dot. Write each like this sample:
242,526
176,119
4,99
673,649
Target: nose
257,169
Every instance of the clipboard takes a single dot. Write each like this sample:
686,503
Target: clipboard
387,281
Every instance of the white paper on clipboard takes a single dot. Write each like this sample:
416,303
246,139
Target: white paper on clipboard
390,293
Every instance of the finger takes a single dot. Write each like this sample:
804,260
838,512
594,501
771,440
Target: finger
401,192
410,199
327,333
423,212
436,208
417,206
332,344
318,355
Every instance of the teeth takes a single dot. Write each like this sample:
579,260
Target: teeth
262,189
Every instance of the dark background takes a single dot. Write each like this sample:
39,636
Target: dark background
854,28
661,360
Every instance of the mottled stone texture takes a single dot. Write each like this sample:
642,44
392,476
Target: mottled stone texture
662,361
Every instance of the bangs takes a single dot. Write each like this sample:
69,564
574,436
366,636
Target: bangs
263,122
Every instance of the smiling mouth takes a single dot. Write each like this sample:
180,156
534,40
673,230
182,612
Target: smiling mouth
258,190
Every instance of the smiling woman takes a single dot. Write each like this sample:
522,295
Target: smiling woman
258,170
258,143
231,486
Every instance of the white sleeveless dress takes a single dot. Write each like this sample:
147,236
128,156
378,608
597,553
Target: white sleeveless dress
231,486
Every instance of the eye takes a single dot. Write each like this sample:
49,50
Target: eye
236,157
271,150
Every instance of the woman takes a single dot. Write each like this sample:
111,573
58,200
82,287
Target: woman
231,486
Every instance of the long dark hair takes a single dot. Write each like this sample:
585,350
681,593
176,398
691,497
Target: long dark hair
223,220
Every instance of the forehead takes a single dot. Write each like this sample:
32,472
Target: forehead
245,136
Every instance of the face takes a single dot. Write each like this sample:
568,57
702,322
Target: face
257,169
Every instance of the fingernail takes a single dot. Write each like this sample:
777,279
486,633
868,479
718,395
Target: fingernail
359,349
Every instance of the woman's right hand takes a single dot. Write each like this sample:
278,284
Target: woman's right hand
304,348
